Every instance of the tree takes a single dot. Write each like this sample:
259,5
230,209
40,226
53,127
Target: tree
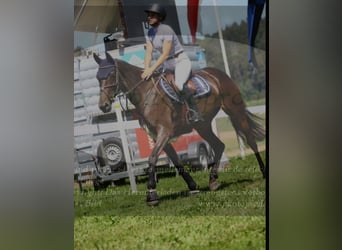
252,85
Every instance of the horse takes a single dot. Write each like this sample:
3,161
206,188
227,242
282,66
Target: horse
164,119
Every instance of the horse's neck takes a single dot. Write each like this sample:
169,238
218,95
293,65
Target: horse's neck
131,77
130,73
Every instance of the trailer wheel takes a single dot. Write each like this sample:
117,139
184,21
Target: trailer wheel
203,159
110,152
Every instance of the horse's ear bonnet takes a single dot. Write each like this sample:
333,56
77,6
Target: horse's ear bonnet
110,59
107,66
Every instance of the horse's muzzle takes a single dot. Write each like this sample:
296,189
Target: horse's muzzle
106,107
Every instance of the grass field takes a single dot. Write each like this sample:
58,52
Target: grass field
232,217
256,102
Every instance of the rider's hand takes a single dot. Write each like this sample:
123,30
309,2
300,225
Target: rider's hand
147,73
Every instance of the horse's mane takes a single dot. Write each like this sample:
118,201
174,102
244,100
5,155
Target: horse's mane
126,64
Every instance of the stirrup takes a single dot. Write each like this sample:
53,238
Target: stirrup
194,116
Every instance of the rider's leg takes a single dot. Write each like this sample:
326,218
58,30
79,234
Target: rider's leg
182,70
182,74
187,94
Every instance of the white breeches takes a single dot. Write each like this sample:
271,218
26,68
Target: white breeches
182,67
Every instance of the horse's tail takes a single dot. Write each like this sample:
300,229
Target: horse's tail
253,126
246,124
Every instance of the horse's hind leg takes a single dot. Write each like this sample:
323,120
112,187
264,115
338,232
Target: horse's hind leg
252,143
218,147
244,123
171,153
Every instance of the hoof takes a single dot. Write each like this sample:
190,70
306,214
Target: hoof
152,198
152,203
214,185
193,192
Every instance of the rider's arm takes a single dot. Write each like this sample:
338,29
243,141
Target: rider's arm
162,58
167,44
148,54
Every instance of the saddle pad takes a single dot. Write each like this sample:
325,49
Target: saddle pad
201,85
170,91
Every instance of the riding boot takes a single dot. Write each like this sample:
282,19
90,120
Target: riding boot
194,115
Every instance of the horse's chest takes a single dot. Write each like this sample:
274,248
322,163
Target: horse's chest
151,99
156,113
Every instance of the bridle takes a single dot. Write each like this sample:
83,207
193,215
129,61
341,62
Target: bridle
116,84
119,93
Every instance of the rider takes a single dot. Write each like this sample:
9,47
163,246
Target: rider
163,38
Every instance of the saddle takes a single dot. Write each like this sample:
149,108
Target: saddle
195,82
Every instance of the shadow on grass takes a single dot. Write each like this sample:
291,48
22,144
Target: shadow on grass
185,193
160,175
174,196
224,185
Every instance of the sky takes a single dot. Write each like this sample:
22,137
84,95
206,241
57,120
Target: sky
219,2
230,11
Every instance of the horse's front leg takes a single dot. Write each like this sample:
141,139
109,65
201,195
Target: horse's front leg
151,194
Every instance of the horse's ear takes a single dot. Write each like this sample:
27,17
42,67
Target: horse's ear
110,58
97,58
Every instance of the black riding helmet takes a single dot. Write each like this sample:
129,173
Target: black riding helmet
156,8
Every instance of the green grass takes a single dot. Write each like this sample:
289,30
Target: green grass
176,232
256,102
232,217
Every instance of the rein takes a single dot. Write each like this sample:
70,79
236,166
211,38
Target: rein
118,77
134,87
116,84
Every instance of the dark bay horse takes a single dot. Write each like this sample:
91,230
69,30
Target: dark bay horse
164,119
